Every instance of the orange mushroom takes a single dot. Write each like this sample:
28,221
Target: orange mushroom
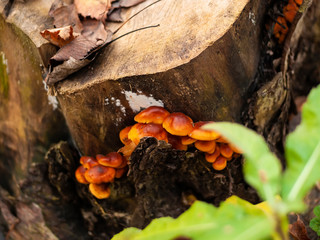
80,175
220,163
112,159
120,172
290,11
203,134
205,146
211,157
186,140
225,150
153,114
127,150
100,174
175,142
280,29
123,135
100,191
298,2
235,149
178,124
140,130
88,162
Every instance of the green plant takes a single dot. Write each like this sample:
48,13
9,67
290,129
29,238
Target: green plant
315,222
283,192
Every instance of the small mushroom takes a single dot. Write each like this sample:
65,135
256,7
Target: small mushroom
211,157
175,142
140,130
120,172
100,191
186,140
112,159
290,11
80,175
225,150
123,135
100,174
220,163
153,114
203,134
205,146
88,162
280,29
127,150
178,124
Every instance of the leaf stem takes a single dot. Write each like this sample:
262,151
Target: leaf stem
304,174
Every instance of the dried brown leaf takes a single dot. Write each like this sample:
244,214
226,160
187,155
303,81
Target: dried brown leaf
96,9
59,36
130,3
298,230
95,31
76,49
66,15
65,69
115,16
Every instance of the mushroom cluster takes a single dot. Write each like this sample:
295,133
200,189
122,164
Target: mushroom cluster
176,129
180,131
281,29
100,171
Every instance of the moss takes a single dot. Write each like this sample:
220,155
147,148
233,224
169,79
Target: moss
4,80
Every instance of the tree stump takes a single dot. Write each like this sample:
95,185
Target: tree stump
201,61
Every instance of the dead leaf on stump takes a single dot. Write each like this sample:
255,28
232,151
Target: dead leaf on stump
59,36
79,40
298,230
66,15
96,9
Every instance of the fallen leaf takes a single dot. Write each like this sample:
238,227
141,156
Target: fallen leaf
115,16
95,31
130,3
96,9
71,58
298,230
59,36
66,15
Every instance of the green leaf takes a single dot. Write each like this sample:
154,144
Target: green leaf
127,234
234,219
303,154
262,169
315,222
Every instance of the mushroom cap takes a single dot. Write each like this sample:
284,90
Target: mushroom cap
203,134
186,140
235,149
123,135
290,11
153,114
80,175
175,142
112,159
88,162
211,157
127,150
225,150
220,163
121,171
205,146
100,174
100,191
299,2
140,130
178,124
